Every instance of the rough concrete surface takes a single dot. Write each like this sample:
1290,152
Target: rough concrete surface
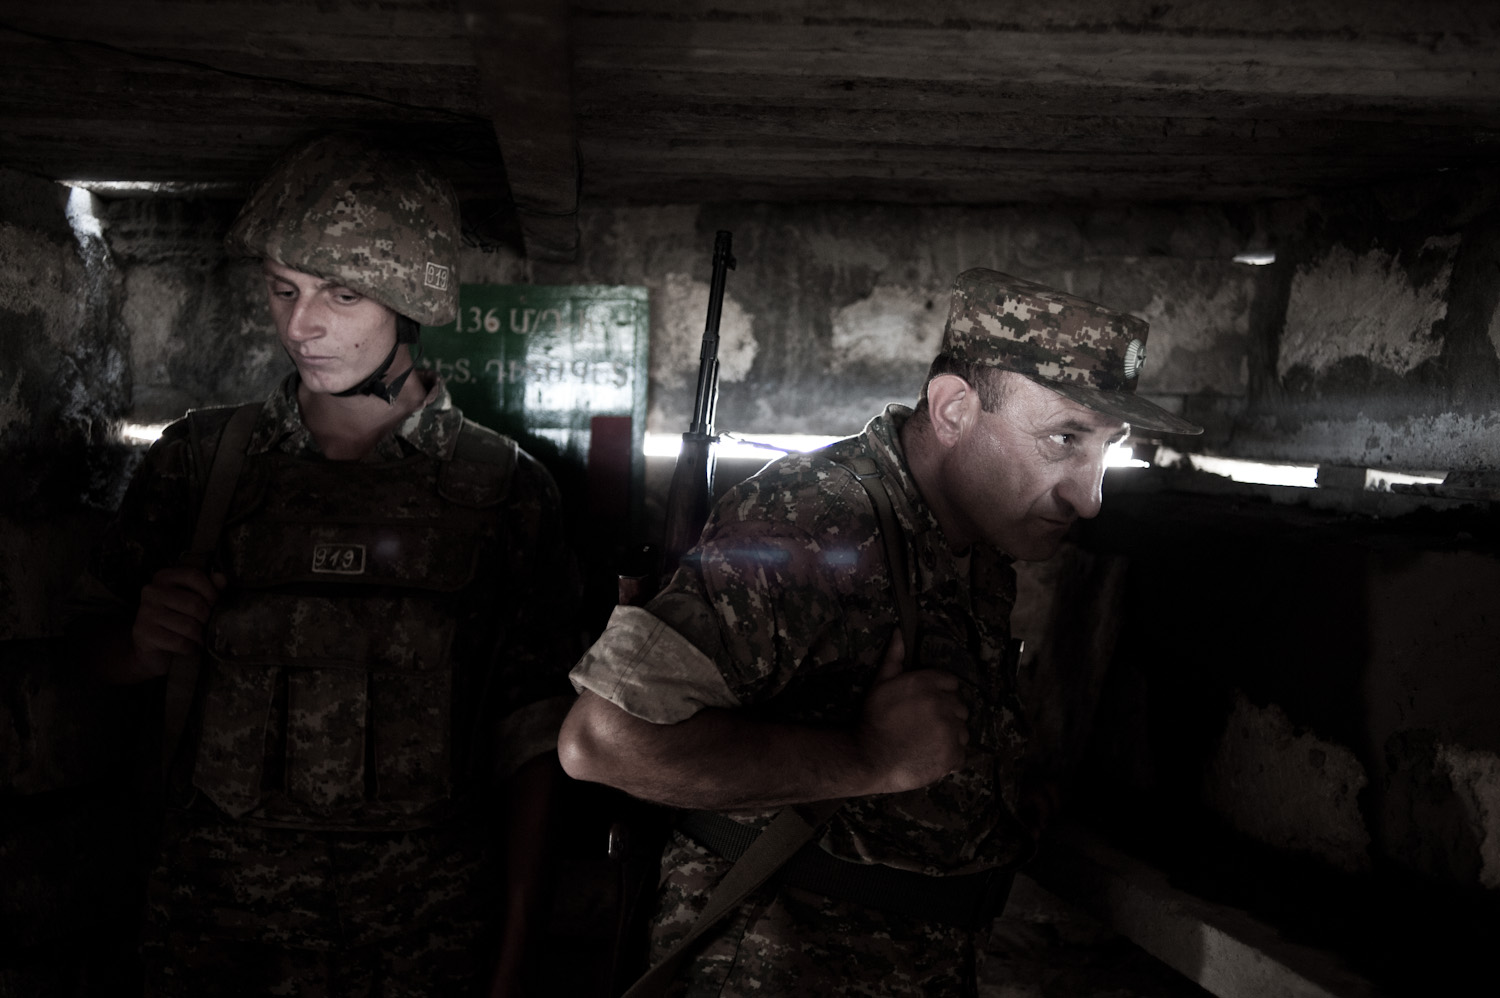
1220,946
1494,330
679,315
1447,441
1433,628
1365,306
846,302
1288,789
155,298
492,265
44,305
1200,327
197,321
1476,782
894,325
1043,947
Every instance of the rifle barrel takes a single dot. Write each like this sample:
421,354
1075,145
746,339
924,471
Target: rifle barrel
708,356
692,488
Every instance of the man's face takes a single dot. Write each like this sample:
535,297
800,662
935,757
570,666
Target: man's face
1021,475
335,336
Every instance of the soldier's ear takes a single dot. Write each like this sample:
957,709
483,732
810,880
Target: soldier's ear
951,403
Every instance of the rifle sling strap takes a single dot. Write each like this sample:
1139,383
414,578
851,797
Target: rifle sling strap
788,832
966,900
218,491
794,827
865,472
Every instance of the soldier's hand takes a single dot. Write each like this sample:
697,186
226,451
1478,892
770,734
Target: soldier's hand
175,605
913,729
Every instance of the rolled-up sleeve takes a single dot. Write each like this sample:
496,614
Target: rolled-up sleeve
644,667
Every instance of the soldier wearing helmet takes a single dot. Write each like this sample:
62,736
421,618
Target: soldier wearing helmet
827,686
365,659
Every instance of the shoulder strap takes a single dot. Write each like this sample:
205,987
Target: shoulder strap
867,474
794,827
218,488
218,491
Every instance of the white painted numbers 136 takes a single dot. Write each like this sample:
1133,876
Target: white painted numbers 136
522,320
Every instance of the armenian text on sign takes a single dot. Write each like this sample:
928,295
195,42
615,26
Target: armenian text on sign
542,362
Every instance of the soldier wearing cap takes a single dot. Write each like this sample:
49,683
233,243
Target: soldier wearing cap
773,672
371,657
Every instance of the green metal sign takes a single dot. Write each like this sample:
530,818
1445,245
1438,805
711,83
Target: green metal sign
560,368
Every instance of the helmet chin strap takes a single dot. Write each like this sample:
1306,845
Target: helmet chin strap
406,332
375,384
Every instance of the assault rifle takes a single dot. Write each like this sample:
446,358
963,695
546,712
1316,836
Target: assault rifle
639,830
692,487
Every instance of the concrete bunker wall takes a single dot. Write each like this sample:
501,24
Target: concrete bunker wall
1351,720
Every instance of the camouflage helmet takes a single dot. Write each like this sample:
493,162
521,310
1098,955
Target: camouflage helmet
345,210
1085,352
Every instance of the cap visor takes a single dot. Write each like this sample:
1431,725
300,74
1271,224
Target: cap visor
1126,406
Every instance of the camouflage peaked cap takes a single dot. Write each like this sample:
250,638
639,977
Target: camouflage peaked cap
1085,352
346,211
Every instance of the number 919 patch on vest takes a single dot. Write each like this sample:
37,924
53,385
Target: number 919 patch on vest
339,559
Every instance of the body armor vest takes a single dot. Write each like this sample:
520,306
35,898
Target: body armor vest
338,668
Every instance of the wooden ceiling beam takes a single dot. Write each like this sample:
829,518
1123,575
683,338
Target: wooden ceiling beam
743,124
1367,67
521,47
603,91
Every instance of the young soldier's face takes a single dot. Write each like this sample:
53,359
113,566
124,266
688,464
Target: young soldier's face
335,336
1025,472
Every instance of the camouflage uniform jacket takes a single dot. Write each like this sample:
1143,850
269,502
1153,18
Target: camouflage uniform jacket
509,649
785,609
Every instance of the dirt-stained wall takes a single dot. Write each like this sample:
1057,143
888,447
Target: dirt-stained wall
835,310
64,386
1384,316
1298,715
196,319
1372,340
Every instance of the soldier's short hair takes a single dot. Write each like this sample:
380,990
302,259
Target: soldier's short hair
987,381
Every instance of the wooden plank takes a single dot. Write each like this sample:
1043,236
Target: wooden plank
28,94
228,155
68,70
402,32
693,179
148,104
705,125
1014,187
832,159
521,47
1264,18
260,27
776,98
602,90
1409,70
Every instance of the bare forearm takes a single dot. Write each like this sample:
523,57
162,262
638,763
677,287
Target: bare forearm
715,760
